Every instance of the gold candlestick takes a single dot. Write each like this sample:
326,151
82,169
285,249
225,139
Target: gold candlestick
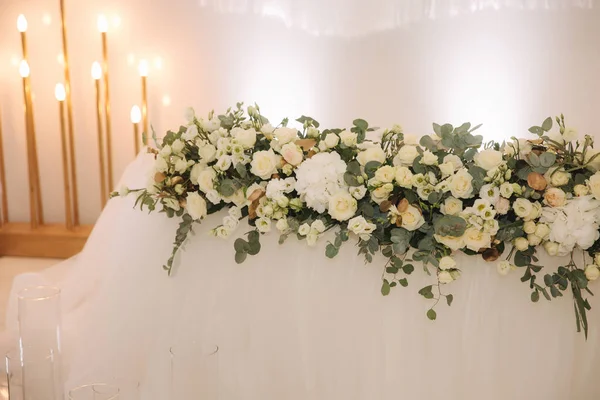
103,28
96,74
4,203
72,165
136,116
32,144
24,71
60,94
143,69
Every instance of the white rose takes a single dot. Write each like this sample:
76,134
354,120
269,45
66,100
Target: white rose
190,133
223,163
536,211
445,277
412,218
409,138
555,197
318,226
488,159
594,184
285,135
172,203
206,178
461,185
342,206
245,137
591,159
522,207
557,177
348,138
207,153
181,165
447,263
267,130
452,242
189,114
263,225
404,177
529,227
452,206
503,267
292,153
374,153
358,192
551,248
304,229
534,239
382,193
475,239
502,206
264,163
195,205
592,272
213,196
506,190
446,168
160,165
570,134
385,174
406,155
542,230
177,146
332,140
521,243
454,160
429,158
282,225
581,190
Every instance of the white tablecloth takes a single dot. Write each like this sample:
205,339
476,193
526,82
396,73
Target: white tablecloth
292,324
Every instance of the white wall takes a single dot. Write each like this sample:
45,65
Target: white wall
506,67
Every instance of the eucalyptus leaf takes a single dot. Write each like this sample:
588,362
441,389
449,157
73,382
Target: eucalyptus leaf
385,287
431,314
547,124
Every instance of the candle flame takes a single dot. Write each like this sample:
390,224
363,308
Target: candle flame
96,70
102,23
59,92
21,23
24,69
143,68
136,115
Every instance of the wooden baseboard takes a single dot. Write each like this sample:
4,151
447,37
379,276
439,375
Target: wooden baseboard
47,241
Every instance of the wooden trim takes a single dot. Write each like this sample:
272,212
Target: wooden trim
46,241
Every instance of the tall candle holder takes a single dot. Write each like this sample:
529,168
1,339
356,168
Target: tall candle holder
96,75
103,28
61,94
143,69
4,201
136,116
73,167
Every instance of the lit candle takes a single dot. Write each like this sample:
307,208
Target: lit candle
67,75
21,23
103,28
60,94
136,117
143,69
96,75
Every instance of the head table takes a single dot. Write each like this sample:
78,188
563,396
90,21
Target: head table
293,324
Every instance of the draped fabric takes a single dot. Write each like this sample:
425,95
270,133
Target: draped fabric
358,17
292,324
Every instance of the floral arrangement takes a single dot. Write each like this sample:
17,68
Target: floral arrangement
412,201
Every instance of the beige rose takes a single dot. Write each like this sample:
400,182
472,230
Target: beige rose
412,218
555,197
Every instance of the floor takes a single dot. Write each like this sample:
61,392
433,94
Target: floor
13,266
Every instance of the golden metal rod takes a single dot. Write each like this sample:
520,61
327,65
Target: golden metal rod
36,168
4,203
136,139
72,166
144,106
103,194
107,112
32,205
24,45
65,159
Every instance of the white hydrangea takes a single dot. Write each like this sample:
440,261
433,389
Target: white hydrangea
320,177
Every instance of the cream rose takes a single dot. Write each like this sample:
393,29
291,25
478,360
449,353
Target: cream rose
304,229
503,267
385,174
476,239
445,277
206,179
348,138
195,205
374,153
452,242
332,140
292,153
382,193
488,159
529,227
429,158
502,206
557,177
342,206
404,177
282,225
542,230
581,190
521,243
454,160
551,248
592,272
461,184
285,135
406,155
570,134
534,239
207,153
522,207
358,192
412,218
555,197
447,262
594,184
245,137
591,159
446,169
451,206
264,163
